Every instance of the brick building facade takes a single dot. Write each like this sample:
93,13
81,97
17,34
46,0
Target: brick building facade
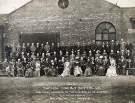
76,23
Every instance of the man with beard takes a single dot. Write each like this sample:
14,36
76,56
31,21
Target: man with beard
19,67
88,47
29,69
33,56
83,47
37,48
61,66
58,47
47,47
103,47
52,70
89,67
82,65
54,55
42,49
18,51
52,47
112,54
47,67
99,46
93,47
48,55
28,57
122,66
13,67
42,66
117,46
129,46
112,45
108,48
72,60
28,48
128,56
8,51
78,47
24,63
14,50
100,66
122,44
32,48
89,54
105,63
104,54
118,56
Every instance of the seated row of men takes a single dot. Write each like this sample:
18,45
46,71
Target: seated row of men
81,61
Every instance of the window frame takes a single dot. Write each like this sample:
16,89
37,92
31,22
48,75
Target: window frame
102,30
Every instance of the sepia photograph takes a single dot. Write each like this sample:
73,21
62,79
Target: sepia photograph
67,51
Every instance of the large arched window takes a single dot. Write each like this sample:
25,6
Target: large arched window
105,32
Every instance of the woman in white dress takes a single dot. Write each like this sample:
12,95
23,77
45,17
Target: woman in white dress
37,69
77,70
112,68
66,71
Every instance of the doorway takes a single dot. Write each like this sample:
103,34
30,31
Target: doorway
40,37
1,42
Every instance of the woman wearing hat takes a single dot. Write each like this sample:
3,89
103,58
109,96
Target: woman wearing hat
100,67
89,66
77,69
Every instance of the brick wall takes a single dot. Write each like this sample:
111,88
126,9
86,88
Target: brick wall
129,13
75,23
3,32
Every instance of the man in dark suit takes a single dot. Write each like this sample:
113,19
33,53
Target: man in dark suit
129,46
117,46
107,47
37,48
8,51
112,45
93,47
122,66
103,47
77,47
32,47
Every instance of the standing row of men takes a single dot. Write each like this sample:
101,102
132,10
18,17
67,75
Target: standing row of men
93,59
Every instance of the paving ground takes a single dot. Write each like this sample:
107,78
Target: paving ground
94,89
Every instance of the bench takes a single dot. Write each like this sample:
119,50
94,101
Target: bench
127,70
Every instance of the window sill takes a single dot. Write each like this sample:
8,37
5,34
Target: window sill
131,31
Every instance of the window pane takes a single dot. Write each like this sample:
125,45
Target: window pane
111,36
111,30
98,37
105,31
133,25
108,26
105,37
98,31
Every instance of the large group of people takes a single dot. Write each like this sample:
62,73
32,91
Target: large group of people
51,59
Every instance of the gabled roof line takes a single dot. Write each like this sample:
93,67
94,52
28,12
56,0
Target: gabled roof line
9,6
20,7
123,3
113,4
